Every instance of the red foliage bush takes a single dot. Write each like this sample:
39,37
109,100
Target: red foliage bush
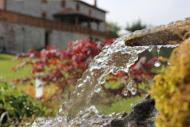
140,72
62,67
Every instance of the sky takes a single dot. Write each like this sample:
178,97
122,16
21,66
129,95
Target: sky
151,12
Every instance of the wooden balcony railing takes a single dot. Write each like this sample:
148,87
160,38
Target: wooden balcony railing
17,18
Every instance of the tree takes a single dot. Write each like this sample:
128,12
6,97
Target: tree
113,29
138,25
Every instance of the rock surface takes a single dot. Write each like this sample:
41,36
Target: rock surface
91,118
142,115
173,33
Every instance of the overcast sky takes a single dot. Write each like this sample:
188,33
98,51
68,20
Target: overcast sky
153,12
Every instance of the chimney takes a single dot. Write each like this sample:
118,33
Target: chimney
95,3
3,4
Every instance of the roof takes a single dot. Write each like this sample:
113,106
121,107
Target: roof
92,6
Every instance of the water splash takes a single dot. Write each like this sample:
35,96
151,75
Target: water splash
114,58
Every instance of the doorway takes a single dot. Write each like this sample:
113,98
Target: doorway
47,38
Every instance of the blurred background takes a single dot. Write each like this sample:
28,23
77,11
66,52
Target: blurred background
154,12
46,45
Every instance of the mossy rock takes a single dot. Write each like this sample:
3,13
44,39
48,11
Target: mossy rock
171,90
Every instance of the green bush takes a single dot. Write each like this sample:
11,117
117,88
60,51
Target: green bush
15,106
171,90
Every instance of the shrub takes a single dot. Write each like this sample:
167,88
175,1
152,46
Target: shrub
171,90
17,105
62,67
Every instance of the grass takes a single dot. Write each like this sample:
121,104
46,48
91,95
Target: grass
121,105
7,62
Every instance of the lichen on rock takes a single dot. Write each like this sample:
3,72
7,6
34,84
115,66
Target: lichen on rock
171,90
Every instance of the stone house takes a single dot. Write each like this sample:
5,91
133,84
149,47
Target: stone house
26,24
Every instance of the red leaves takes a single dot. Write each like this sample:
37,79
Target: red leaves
139,72
108,41
142,69
79,53
53,63
150,63
121,74
118,75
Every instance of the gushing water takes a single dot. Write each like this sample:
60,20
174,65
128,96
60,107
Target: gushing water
114,58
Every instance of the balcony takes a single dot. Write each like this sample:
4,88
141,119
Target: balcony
17,18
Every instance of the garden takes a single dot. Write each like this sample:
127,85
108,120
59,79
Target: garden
56,70
36,84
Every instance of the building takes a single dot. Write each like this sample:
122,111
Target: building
26,24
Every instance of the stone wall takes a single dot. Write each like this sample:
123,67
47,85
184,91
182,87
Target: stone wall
60,39
36,8
15,38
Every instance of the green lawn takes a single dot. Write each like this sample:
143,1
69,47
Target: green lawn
121,105
7,62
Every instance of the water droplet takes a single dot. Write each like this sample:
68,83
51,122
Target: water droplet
157,64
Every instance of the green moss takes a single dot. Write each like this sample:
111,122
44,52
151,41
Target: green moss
172,90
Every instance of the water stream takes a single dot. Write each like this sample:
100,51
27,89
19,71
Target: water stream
81,107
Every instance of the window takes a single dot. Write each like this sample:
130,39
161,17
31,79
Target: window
44,15
45,1
90,12
63,3
77,7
